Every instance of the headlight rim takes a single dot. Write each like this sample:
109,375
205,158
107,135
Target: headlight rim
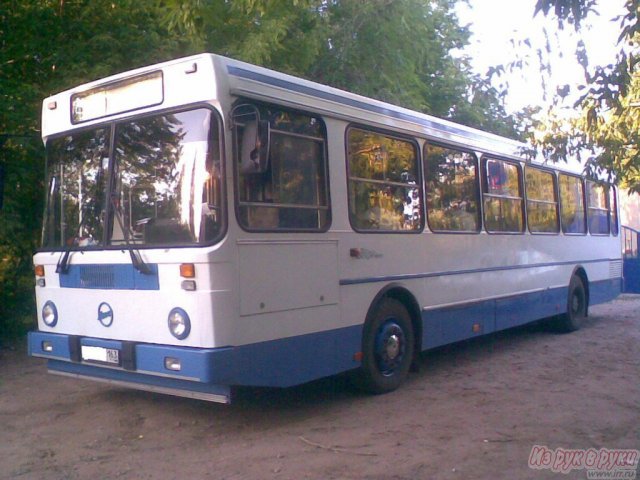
187,323
54,310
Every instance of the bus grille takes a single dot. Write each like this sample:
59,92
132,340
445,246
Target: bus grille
110,277
97,276
615,269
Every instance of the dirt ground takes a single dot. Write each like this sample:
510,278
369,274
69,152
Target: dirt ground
473,411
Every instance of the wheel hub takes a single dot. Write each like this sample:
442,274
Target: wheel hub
393,347
389,347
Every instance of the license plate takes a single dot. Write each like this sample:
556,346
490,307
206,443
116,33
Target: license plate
101,354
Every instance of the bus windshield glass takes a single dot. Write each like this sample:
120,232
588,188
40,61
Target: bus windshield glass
159,186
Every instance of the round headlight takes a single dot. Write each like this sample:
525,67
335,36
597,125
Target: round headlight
50,314
179,323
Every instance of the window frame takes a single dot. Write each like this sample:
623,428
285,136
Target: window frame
476,182
589,208
111,124
613,195
556,192
109,127
236,174
419,181
584,204
485,159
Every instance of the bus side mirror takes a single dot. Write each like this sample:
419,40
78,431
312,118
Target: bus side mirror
254,151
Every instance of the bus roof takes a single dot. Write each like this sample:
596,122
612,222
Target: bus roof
203,77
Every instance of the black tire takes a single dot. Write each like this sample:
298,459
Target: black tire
388,345
577,306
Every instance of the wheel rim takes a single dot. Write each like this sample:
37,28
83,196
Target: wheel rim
577,303
390,347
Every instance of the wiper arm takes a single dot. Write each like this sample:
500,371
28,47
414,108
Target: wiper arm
63,262
136,259
138,262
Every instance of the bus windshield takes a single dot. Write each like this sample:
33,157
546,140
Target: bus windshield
157,183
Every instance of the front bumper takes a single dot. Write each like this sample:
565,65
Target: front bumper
203,373
206,373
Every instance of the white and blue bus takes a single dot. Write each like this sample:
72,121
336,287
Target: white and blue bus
212,224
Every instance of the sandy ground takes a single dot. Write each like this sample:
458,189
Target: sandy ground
473,411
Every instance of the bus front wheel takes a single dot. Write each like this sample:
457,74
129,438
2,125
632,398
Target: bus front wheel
387,347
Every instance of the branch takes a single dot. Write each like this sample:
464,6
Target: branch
336,449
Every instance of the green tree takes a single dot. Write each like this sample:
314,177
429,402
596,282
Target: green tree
605,134
47,46
279,34
399,51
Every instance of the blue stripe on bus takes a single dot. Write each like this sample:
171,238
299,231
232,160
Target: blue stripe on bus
456,323
412,276
605,290
277,363
314,92
294,360
110,277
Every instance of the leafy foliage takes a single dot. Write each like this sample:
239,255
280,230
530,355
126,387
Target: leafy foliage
47,46
605,133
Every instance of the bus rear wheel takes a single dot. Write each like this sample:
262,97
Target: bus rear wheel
576,307
387,347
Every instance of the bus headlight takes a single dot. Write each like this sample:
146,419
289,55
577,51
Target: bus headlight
179,323
50,314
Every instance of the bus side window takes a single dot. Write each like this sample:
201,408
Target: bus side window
452,189
502,197
572,212
613,208
542,201
598,208
385,191
288,190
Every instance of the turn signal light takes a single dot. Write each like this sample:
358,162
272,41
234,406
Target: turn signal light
188,270
39,269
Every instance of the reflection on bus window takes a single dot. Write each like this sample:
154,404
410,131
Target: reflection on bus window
291,193
167,188
166,180
76,167
384,191
502,197
542,203
572,204
613,207
598,211
452,190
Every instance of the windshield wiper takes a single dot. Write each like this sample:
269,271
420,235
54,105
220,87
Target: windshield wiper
63,262
136,259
